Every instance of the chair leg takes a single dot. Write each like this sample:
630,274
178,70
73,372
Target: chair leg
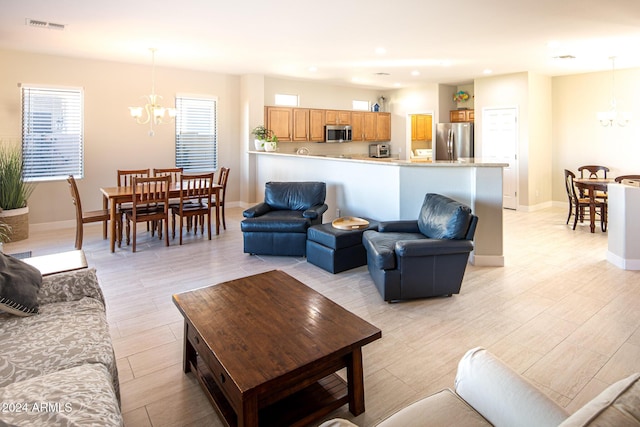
166,229
603,218
575,219
104,229
180,217
224,221
79,235
209,225
568,217
133,246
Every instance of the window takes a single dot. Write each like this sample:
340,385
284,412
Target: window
360,105
286,100
196,134
52,133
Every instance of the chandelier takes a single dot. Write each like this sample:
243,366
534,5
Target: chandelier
152,112
608,118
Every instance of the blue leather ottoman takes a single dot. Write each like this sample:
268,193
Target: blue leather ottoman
336,250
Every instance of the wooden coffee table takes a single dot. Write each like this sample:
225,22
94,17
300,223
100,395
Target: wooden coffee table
266,349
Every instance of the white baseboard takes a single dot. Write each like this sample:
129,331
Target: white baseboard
623,263
486,260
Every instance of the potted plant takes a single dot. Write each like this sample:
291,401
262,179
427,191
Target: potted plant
265,139
14,192
5,234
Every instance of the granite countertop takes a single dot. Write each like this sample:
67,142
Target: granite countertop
463,162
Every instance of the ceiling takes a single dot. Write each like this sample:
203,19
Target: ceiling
424,41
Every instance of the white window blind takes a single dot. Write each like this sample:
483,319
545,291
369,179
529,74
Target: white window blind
52,133
196,134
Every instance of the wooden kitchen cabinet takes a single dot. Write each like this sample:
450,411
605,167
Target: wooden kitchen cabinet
300,126
370,130
357,125
421,127
383,126
337,117
458,116
316,125
280,122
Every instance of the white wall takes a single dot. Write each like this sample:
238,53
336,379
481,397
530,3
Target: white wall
112,139
578,137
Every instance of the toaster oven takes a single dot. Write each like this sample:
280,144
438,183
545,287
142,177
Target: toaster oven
379,150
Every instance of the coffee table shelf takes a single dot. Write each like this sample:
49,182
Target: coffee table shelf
298,409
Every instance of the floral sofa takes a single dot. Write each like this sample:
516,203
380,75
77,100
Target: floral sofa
57,365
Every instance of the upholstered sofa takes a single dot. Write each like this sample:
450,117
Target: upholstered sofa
425,257
278,226
57,365
489,393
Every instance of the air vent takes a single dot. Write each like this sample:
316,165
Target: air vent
44,24
382,74
564,57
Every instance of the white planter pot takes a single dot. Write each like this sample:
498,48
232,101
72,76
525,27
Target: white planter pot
270,146
258,145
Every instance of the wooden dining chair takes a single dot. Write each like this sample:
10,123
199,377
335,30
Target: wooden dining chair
195,202
174,173
150,203
223,177
578,205
125,179
594,171
85,217
621,177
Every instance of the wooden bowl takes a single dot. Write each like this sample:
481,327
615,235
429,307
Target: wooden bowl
350,223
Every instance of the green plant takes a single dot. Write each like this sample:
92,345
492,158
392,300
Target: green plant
14,191
261,133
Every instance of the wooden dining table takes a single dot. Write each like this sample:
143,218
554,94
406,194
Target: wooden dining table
113,196
591,185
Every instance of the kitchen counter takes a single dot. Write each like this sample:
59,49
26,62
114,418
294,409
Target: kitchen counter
392,189
466,162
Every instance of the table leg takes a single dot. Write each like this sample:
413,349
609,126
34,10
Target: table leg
217,211
105,206
248,414
112,237
592,210
355,382
189,353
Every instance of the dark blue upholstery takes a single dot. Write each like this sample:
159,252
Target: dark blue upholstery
424,257
278,226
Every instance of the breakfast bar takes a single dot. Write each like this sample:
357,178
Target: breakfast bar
391,189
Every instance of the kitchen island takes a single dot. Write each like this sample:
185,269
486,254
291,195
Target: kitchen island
391,189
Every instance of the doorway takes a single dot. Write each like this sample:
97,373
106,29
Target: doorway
500,143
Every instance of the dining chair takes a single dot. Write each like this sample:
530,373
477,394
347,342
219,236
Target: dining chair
175,174
223,177
125,179
594,171
150,203
577,204
621,177
195,202
85,217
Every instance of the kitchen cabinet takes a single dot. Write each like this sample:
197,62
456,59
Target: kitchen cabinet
337,117
280,122
421,127
307,124
458,116
295,124
383,126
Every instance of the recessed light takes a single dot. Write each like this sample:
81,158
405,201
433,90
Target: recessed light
313,69
487,71
415,73
381,50
397,84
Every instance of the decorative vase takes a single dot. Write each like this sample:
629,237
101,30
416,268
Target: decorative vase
270,146
18,220
258,144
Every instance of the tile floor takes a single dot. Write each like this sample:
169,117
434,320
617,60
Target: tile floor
557,312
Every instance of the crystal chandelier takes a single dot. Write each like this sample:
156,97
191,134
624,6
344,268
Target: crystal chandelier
152,112
608,118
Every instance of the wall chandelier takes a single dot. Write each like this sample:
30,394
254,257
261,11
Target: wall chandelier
608,118
152,112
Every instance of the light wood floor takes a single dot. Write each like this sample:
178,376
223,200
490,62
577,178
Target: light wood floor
558,313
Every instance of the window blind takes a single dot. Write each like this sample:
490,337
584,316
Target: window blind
52,133
196,134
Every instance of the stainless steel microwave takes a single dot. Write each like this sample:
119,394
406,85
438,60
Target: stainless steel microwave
337,133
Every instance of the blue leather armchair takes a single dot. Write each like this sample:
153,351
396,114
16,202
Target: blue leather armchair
278,226
424,257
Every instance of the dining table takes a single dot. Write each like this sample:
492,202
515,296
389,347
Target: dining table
590,186
113,196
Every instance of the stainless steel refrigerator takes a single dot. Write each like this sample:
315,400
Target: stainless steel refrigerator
453,140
